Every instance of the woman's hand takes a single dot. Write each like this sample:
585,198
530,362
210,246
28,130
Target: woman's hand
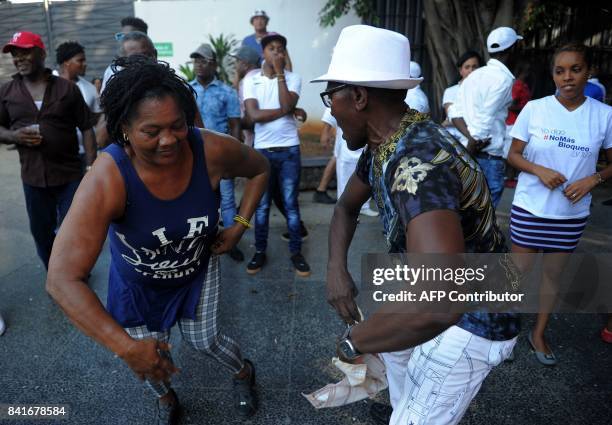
227,239
580,188
550,178
145,360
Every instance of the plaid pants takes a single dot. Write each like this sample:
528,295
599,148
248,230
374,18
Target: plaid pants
201,333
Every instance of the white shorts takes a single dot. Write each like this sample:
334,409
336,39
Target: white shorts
434,383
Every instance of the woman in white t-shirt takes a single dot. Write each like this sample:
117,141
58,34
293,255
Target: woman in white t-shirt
556,143
466,63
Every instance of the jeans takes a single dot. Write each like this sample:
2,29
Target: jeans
285,174
494,171
228,203
47,207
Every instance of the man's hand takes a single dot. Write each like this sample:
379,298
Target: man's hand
300,115
474,146
550,178
27,137
341,293
278,63
227,239
145,360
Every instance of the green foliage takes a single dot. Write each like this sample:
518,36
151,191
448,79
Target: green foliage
187,71
335,9
223,46
541,16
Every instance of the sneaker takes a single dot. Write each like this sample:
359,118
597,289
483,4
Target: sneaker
381,413
236,255
168,414
2,325
301,266
256,263
322,198
245,399
303,232
369,212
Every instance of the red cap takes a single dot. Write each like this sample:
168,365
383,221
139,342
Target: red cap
25,40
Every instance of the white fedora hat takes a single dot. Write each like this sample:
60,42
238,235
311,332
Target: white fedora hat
371,57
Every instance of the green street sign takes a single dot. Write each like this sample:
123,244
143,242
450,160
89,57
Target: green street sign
164,50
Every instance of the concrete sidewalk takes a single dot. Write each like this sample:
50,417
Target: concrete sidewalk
283,324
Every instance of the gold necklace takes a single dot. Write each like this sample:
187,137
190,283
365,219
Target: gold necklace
386,149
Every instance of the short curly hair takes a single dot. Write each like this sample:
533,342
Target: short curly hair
137,23
67,51
138,78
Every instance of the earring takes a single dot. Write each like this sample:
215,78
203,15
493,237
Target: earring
125,138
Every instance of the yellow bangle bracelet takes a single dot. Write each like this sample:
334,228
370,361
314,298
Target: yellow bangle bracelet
240,219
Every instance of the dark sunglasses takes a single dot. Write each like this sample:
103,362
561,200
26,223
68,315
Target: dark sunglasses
326,96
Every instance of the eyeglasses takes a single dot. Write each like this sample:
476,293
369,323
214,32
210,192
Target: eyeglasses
119,36
326,96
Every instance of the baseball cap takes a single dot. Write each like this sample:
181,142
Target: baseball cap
271,36
24,40
261,13
247,54
205,50
501,39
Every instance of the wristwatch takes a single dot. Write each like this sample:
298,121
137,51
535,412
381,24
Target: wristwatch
346,347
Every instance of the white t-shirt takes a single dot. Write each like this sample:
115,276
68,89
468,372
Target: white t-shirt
564,141
281,132
341,150
417,99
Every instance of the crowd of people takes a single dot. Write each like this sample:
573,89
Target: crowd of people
158,155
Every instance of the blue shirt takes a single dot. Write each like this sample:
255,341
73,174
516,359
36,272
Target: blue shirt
217,103
423,168
594,91
251,41
160,249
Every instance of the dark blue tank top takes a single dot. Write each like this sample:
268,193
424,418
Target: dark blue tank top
160,249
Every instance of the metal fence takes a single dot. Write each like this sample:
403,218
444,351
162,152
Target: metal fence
91,23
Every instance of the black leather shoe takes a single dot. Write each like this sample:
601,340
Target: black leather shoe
236,255
256,263
245,399
301,266
322,198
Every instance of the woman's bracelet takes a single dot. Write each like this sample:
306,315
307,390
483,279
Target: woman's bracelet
240,219
600,179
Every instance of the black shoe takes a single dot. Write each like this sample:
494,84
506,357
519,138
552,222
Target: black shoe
303,233
381,413
168,414
256,263
322,198
607,202
245,399
236,255
301,266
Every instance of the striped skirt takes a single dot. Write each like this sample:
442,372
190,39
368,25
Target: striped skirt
547,234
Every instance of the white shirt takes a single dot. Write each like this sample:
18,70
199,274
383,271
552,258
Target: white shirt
108,72
565,141
281,132
341,150
92,100
417,99
450,96
482,101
